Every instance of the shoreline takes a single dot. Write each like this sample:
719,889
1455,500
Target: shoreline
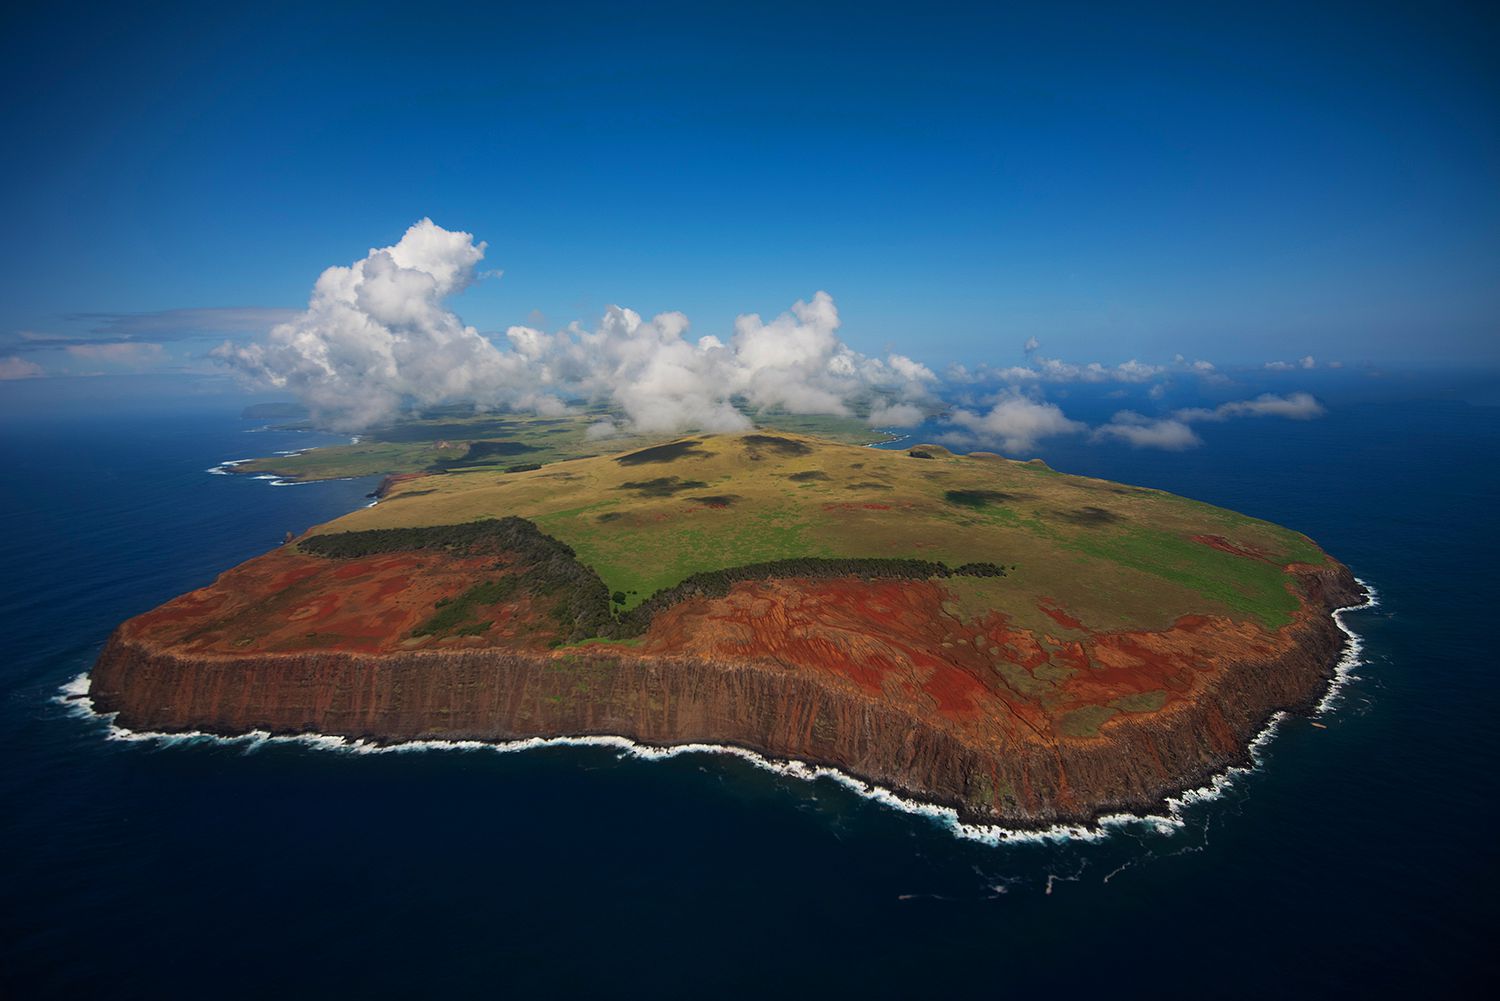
75,695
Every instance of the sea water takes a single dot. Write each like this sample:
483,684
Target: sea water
1358,855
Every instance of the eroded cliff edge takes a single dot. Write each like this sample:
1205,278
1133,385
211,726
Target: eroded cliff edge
868,677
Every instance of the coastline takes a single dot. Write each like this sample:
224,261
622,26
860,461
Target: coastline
76,695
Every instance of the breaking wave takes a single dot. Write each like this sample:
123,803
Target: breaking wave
75,695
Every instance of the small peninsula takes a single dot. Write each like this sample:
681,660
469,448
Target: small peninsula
1024,646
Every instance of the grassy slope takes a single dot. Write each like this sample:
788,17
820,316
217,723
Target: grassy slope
1113,556
415,445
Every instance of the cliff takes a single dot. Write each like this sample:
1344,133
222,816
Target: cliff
1026,646
970,740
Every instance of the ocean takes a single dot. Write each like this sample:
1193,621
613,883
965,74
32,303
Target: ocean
1358,856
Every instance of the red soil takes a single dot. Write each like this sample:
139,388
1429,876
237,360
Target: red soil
893,639
887,638
1062,618
286,601
1223,545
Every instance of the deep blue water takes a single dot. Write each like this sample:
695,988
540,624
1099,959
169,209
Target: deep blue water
1362,857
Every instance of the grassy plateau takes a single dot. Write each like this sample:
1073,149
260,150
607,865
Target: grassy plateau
647,518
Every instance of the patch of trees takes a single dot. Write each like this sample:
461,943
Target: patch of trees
551,569
1088,516
717,583
979,498
662,486
777,444
484,453
490,535
582,605
663,453
715,500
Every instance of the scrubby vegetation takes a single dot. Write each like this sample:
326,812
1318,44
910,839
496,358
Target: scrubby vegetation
545,567
979,498
717,583
548,568
494,535
1115,557
459,616
662,486
486,451
661,453
775,443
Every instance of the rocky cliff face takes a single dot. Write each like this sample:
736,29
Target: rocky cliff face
988,750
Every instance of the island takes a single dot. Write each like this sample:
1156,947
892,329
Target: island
1024,646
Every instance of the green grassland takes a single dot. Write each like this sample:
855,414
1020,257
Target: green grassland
457,442
647,518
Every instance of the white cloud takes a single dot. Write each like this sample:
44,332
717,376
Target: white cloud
1054,370
1041,369
899,415
1015,424
1143,432
377,335
600,430
19,368
1174,433
1296,406
1031,345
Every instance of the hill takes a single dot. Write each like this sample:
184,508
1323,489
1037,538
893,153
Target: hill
1024,645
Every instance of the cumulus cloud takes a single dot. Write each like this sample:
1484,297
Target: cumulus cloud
1014,424
1031,345
899,415
1131,371
1040,369
19,368
1144,432
1296,406
378,334
1174,433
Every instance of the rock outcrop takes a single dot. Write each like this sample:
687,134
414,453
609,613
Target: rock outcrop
881,684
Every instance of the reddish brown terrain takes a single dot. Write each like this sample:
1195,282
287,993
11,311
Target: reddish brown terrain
883,679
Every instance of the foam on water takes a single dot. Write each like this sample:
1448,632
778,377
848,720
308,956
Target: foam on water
75,695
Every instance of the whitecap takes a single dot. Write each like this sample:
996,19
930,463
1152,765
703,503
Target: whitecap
75,694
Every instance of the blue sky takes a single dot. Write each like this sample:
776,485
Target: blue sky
1235,182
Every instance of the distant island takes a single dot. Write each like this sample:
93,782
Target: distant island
1024,646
